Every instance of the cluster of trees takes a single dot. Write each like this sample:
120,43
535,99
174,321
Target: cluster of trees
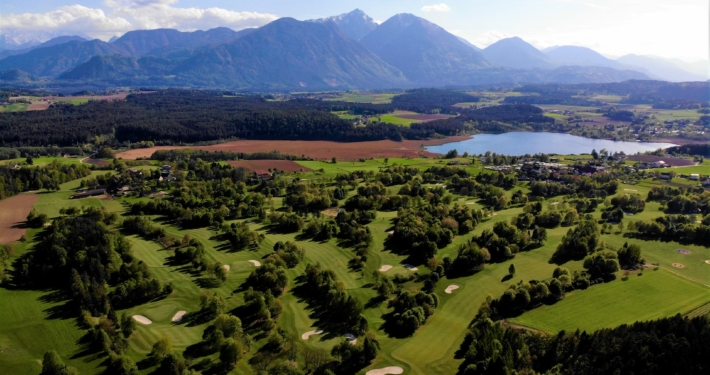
337,310
195,204
579,241
431,100
14,181
304,198
533,215
673,345
270,275
678,200
505,240
93,264
410,311
240,236
420,232
595,186
286,222
6,251
679,228
621,204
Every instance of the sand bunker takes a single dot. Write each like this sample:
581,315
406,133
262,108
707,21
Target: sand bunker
226,267
451,288
683,251
308,334
385,268
678,265
351,338
178,316
142,319
707,261
411,267
630,190
386,370
256,263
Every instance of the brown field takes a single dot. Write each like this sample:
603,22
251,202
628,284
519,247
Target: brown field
319,150
38,106
673,162
96,162
263,166
13,213
424,117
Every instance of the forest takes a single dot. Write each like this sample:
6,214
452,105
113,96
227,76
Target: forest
175,117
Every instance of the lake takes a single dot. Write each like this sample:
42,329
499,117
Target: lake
521,143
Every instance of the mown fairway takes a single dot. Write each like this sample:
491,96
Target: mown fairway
32,321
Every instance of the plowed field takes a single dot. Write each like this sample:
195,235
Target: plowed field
13,213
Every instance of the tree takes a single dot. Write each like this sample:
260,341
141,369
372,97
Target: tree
595,154
161,348
52,364
334,160
231,352
128,325
511,270
29,160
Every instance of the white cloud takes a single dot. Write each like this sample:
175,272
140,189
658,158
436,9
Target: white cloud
490,37
436,8
126,15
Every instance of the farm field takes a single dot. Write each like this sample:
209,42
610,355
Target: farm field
13,213
357,97
406,118
320,150
37,319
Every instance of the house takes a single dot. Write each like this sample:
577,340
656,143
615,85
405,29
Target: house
706,182
264,176
659,164
695,177
665,176
88,193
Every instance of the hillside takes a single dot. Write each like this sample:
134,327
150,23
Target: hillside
423,51
355,24
518,54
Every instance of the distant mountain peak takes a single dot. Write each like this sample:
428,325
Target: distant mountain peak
355,24
516,53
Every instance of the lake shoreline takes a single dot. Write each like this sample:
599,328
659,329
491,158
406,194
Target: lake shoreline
522,142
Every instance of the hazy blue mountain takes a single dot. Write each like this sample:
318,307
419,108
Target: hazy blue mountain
113,39
355,24
518,54
283,54
581,56
161,41
16,75
466,42
423,51
661,68
54,60
49,43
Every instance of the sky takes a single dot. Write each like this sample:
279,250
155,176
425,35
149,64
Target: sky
665,28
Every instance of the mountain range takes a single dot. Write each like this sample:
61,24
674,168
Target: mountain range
345,51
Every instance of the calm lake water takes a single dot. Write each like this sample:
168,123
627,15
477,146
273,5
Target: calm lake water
521,143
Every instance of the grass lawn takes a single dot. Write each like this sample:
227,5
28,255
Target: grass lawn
653,295
15,107
358,97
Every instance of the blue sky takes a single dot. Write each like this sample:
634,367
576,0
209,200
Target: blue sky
677,28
